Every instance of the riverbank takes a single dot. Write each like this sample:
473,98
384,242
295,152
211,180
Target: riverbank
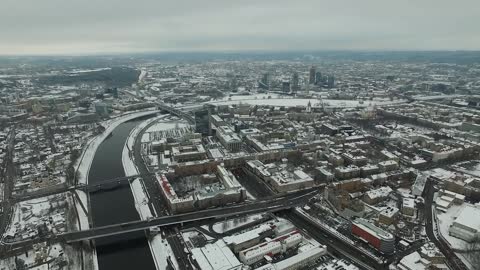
161,250
85,161
82,169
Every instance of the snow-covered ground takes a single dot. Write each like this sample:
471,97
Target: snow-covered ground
275,100
437,97
445,220
29,215
222,227
247,97
163,125
76,71
291,102
161,250
159,247
52,252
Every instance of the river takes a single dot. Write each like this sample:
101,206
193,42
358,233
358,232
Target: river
127,251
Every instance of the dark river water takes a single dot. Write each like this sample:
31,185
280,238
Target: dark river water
127,251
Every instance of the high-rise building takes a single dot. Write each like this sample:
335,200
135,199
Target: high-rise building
264,82
331,81
265,78
311,79
201,121
294,85
318,77
285,86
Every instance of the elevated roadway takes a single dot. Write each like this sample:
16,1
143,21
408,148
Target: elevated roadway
270,204
182,114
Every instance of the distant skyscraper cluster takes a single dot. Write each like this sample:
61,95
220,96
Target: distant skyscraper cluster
293,84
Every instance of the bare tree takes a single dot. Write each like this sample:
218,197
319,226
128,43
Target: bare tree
473,253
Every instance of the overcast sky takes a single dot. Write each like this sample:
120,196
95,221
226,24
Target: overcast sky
112,26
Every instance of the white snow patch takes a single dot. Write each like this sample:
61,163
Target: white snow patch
222,227
445,220
291,102
161,251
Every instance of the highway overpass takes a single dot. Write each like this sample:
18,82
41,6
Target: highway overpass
190,118
270,204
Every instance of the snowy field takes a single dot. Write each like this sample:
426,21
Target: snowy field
159,247
77,71
437,97
168,122
29,214
279,100
52,252
276,100
247,97
292,102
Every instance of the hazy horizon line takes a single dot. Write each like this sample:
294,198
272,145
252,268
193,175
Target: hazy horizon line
227,51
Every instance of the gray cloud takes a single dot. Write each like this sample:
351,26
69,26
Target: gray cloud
104,26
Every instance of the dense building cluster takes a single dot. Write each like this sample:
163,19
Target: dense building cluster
385,155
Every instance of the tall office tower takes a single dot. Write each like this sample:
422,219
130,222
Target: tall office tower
285,86
331,81
201,121
311,79
318,77
295,86
265,78
264,82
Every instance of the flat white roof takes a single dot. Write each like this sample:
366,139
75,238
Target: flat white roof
408,202
469,217
379,192
303,256
216,256
413,261
246,236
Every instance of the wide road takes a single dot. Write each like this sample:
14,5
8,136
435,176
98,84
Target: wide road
157,202
269,205
273,204
8,182
453,261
